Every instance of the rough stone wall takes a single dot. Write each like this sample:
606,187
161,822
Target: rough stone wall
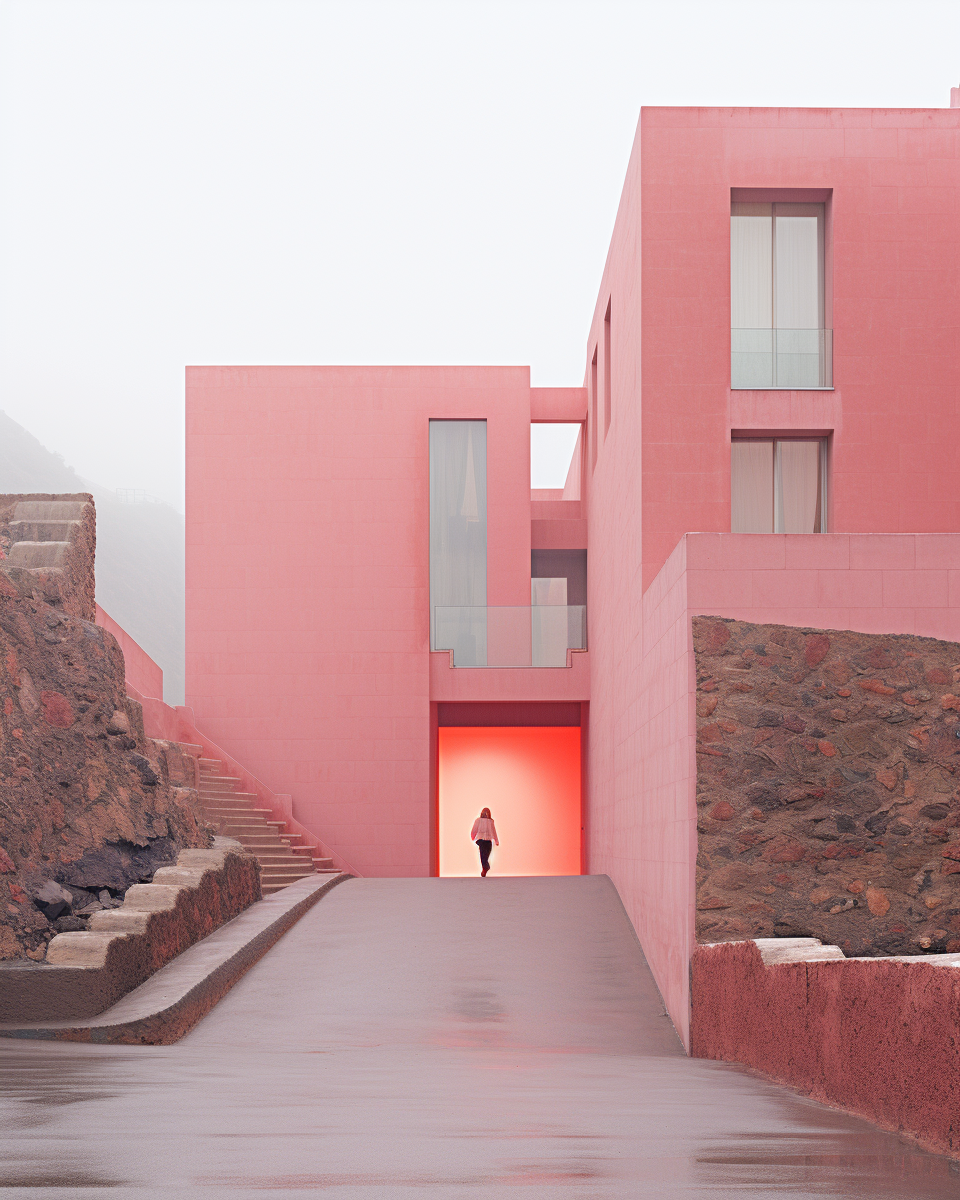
85,972
827,787
87,802
70,585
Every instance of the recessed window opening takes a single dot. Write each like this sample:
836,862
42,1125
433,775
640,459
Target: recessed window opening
778,485
593,408
607,370
552,446
778,339
458,539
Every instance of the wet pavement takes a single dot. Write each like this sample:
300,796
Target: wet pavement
438,1038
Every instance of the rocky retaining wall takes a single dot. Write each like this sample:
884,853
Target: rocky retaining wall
88,804
86,972
877,1037
59,573
828,766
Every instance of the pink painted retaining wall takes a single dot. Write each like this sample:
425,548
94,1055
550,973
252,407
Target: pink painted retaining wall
877,1037
873,583
144,681
891,182
142,672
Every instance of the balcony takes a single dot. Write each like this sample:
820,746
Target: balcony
534,636
781,358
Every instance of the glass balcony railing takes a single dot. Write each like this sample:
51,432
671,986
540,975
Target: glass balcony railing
536,636
781,358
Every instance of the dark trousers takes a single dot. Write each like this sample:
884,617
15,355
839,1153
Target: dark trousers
483,845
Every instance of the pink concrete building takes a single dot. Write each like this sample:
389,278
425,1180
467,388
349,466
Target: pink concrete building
770,413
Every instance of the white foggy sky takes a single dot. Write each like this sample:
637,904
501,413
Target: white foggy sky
224,181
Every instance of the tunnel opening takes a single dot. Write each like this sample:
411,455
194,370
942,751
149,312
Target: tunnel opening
529,776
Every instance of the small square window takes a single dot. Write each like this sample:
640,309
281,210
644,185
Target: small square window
778,485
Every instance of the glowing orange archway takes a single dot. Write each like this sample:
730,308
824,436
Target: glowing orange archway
530,779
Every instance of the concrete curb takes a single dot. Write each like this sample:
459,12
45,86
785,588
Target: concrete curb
169,1004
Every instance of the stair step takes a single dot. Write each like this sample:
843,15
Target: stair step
229,810
36,554
42,531
49,510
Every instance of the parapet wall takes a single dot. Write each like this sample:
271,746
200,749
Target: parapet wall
877,1037
828,765
86,972
88,801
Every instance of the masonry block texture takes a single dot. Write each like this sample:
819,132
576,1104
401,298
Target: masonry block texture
827,787
78,778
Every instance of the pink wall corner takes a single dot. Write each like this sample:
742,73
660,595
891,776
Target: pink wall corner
308,585
663,467
892,183
646,840
141,671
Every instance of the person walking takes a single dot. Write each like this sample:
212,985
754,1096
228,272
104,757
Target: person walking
484,833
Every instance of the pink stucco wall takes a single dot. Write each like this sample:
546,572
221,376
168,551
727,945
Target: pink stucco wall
142,673
874,583
890,181
307,580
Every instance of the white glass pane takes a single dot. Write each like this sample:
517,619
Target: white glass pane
751,268
751,487
797,473
548,591
797,272
458,533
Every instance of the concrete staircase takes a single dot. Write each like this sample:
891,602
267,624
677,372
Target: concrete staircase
41,531
283,859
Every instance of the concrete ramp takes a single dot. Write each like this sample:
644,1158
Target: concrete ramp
549,963
457,1039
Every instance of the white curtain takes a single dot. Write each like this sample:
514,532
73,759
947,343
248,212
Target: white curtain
776,295
751,266
751,487
798,487
548,622
458,539
797,267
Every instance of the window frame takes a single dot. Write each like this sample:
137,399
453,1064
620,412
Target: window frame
823,466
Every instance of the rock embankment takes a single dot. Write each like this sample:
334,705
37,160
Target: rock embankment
88,804
828,768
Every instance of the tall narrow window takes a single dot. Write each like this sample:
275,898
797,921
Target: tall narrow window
778,485
777,297
458,539
595,432
607,370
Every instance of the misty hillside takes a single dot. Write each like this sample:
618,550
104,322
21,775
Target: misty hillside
139,551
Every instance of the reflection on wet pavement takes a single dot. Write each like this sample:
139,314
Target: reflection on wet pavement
450,1038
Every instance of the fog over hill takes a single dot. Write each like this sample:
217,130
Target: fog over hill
140,572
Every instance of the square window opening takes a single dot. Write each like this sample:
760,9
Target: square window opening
778,485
